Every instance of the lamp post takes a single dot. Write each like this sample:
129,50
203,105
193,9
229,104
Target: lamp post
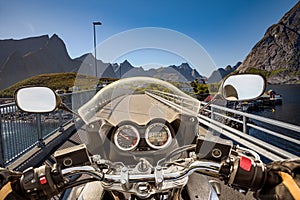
94,26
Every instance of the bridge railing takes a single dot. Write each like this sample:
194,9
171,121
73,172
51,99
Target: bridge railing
189,105
21,131
273,139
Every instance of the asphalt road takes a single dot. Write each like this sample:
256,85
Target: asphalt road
142,109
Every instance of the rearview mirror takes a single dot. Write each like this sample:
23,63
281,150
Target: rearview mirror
36,99
243,87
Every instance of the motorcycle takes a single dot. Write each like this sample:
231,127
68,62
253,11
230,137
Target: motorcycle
141,139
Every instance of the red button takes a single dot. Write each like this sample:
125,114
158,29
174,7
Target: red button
43,180
245,163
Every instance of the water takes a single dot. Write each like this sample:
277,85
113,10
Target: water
289,111
19,130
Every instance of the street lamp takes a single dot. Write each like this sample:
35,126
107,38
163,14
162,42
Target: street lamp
94,26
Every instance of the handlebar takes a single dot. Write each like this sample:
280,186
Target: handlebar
240,173
208,168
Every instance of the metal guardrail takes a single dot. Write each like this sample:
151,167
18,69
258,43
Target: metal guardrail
274,143
189,105
21,131
278,140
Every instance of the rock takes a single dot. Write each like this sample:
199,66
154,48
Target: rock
277,54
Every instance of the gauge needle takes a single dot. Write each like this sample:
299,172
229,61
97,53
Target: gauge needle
124,136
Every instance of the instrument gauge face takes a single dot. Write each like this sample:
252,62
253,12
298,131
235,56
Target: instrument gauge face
158,135
126,137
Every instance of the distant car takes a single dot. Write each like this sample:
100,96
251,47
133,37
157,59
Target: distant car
59,91
99,87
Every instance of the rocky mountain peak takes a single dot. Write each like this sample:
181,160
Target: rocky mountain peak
55,36
126,64
277,54
228,68
123,68
185,66
32,56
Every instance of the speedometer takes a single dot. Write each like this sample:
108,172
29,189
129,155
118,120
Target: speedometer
126,137
158,135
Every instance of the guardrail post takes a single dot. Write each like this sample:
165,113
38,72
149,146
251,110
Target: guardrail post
61,128
1,143
212,113
245,128
41,143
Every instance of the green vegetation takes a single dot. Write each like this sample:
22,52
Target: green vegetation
200,89
295,73
259,71
61,81
265,73
104,80
277,71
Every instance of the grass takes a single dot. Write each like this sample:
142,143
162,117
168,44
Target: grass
62,81
265,73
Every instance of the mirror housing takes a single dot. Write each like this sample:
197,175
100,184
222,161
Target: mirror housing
242,87
36,99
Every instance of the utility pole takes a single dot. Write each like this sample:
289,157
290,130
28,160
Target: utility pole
94,26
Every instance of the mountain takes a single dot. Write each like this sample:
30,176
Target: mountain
186,71
123,68
220,73
21,59
181,73
87,66
277,54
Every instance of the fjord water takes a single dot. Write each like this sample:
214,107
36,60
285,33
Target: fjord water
289,111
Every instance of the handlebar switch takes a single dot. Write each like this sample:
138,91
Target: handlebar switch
43,180
37,183
28,176
247,174
245,163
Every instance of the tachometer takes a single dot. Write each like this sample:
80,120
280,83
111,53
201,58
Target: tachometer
158,135
126,137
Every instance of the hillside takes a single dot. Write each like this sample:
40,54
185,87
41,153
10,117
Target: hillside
21,59
277,54
54,81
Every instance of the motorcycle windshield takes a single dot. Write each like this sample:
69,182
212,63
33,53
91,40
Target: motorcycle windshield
139,117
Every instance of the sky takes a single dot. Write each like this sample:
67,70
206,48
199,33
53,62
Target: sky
226,30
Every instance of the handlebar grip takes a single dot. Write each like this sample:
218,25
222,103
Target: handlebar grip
40,183
247,174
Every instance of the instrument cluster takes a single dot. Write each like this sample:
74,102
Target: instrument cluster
156,135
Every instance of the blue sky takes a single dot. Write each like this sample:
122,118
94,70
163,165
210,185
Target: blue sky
227,30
